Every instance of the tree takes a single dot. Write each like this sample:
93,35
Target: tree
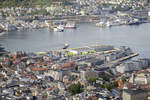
92,80
114,84
1,66
105,78
30,3
109,86
75,88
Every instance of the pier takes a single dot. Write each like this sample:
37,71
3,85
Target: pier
116,62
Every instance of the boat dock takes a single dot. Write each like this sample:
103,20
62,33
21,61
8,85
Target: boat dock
116,62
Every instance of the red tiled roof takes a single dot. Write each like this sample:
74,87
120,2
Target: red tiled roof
39,69
93,98
67,65
69,82
50,88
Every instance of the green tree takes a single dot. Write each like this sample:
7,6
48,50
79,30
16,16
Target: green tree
75,88
30,3
109,86
114,84
92,80
105,78
1,66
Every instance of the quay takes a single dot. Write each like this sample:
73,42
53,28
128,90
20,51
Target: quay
116,62
82,54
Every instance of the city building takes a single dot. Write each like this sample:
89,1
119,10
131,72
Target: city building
129,94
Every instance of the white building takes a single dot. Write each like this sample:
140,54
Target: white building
141,78
57,75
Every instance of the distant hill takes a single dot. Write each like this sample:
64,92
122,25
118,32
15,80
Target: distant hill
30,3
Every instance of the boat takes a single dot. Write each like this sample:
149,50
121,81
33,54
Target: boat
100,24
108,24
104,24
71,25
19,28
2,33
55,28
134,22
66,46
2,50
59,28
47,23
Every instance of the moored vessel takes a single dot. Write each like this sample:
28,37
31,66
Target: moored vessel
71,25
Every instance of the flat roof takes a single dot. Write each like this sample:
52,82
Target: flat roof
129,91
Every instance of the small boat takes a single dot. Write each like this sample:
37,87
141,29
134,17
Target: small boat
104,24
100,24
59,28
2,50
70,25
19,28
108,24
2,33
134,22
66,46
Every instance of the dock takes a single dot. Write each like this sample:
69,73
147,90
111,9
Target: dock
116,62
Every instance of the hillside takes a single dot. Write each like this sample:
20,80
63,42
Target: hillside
29,3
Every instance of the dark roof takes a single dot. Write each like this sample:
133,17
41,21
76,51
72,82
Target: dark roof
132,92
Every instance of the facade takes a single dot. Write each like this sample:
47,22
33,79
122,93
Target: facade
140,79
57,75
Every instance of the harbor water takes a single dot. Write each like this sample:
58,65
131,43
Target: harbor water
136,37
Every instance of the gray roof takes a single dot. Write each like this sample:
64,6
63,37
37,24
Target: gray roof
132,92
